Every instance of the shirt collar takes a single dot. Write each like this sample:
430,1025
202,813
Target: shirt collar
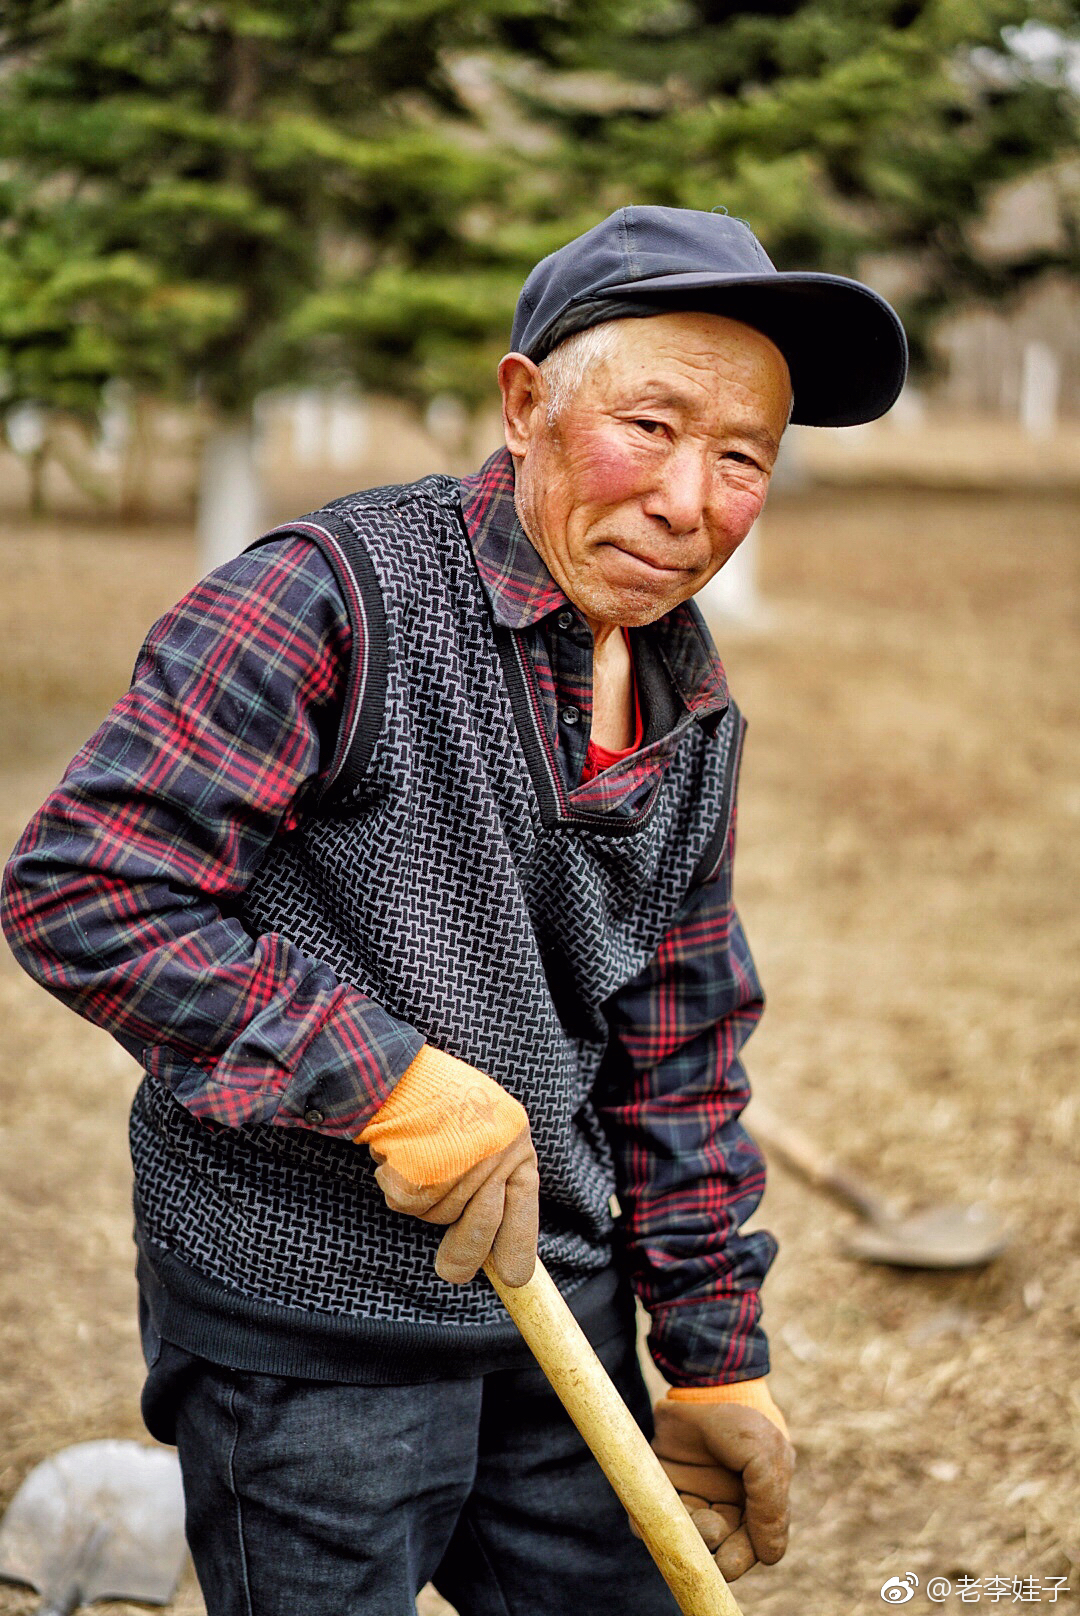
522,591
518,584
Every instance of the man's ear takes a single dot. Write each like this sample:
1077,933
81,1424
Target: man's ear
524,401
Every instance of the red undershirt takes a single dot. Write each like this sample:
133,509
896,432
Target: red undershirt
598,758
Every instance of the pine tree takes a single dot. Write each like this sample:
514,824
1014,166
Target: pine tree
209,198
213,197
838,128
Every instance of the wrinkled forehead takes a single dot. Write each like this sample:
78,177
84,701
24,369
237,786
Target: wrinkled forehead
689,359
691,331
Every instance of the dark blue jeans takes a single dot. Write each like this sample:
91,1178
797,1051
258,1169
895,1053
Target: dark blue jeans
307,1498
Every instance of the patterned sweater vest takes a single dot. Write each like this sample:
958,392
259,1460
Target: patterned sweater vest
444,875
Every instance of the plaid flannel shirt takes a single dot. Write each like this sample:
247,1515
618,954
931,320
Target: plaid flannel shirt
120,898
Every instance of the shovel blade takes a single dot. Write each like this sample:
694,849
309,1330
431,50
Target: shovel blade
109,1514
940,1237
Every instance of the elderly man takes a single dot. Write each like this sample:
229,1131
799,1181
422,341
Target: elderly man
414,832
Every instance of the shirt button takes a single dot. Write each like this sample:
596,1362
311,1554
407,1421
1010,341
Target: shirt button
571,716
565,619
314,1115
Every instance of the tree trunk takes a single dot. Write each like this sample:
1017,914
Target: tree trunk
229,493
36,462
733,591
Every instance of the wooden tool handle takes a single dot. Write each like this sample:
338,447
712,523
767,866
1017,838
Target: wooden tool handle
629,1463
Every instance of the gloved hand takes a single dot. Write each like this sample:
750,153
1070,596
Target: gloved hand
453,1147
731,1466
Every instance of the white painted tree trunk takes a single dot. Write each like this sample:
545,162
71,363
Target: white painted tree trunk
1040,389
733,592
229,494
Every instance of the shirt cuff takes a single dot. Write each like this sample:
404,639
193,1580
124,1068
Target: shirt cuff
716,1340
349,1068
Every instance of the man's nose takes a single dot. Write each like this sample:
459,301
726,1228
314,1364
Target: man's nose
681,490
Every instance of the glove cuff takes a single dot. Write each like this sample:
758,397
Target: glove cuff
748,1393
442,1117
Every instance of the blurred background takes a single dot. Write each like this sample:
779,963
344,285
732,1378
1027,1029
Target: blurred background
253,255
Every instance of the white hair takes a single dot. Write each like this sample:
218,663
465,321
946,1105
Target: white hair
565,367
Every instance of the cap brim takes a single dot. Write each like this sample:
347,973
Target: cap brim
844,345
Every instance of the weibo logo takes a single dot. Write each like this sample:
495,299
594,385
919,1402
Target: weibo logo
898,1590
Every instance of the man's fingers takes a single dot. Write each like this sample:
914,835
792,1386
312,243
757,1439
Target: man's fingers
493,1208
467,1242
402,1196
713,1530
767,1479
716,1525
735,1555
501,1166
451,1202
446,1201
713,1483
514,1250
737,1459
731,1442
747,1449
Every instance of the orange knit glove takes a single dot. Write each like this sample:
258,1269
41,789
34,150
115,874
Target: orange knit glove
727,1452
748,1393
453,1147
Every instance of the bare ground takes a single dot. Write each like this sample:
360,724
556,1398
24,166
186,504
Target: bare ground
909,872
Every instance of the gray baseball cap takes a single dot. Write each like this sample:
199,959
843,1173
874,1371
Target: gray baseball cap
844,345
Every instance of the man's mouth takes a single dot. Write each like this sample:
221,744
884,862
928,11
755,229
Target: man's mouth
647,565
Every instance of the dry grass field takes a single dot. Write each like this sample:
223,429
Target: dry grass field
909,874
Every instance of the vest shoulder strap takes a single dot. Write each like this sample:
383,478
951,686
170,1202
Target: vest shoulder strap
364,705
731,732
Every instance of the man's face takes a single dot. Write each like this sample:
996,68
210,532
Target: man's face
654,472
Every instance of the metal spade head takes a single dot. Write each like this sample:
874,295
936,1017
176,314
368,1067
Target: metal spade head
936,1237
939,1237
100,1520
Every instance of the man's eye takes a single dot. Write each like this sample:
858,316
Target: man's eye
652,427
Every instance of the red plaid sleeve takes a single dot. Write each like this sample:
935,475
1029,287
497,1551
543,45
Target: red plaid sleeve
120,897
688,1174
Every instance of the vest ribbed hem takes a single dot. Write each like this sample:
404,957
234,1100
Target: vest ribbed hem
208,1319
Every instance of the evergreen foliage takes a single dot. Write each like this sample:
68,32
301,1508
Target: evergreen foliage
842,128
228,195
241,193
